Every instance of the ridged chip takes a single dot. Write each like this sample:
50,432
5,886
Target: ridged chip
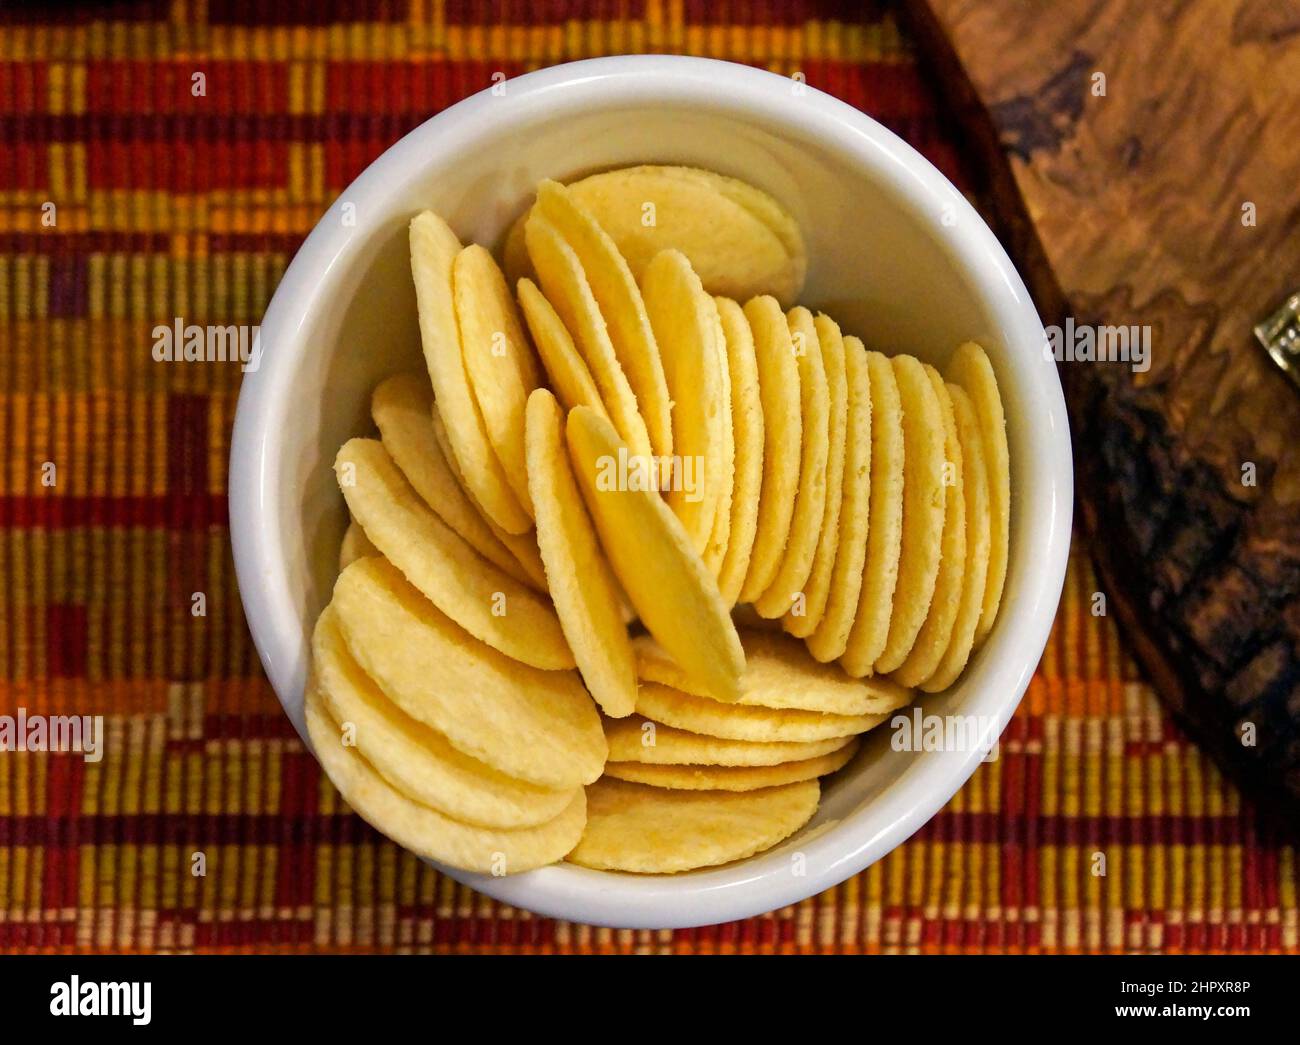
715,718
731,778
637,739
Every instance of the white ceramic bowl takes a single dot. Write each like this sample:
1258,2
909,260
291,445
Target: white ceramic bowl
897,256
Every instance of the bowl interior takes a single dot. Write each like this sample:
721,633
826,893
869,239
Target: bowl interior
896,256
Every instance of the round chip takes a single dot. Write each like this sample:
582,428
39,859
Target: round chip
747,441
498,359
970,368
586,595
780,673
714,718
416,760
570,376
720,537
534,725
403,409
885,526
685,322
425,831
433,255
976,495
787,586
831,638
515,262
923,511
621,305
637,739
778,385
731,778
663,577
356,545
652,830
482,599
935,634
817,587
568,290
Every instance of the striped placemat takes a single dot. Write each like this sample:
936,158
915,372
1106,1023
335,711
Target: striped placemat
162,160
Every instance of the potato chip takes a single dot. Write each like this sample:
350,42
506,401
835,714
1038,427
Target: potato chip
933,638
621,305
786,587
570,376
648,209
780,673
778,385
586,595
404,412
885,525
817,588
685,322
425,831
637,739
831,638
534,725
923,510
731,778
356,545
433,254
498,358
567,289
975,486
664,579
720,536
652,830
970,368
481,598
715,718
515,262
414,759
747,440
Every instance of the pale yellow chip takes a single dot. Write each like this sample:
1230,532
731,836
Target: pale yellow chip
566,288
975,486
637,739
586,595
570,376
663,577
970,368
787,587
720,536
778,385
747,440
538,726
885,525
416,760
731,778
923,511
498,358
781,673
831,638
484,600
515,262
816,592
428,833
621,305
433,255
356,545
733,248
685,323
715,718
404,412
936,633
652,830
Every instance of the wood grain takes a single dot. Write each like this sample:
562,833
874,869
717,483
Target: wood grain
1128,207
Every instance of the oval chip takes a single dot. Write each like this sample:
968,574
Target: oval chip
586,595
482,599
570,376
731,778
416,760
534,725
652,830
425,831
715,718
637,739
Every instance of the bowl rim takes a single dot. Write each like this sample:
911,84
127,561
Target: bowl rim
738,890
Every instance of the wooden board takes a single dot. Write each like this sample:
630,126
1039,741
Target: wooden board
1134,207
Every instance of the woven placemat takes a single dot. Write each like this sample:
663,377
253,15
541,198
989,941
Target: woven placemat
162,160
